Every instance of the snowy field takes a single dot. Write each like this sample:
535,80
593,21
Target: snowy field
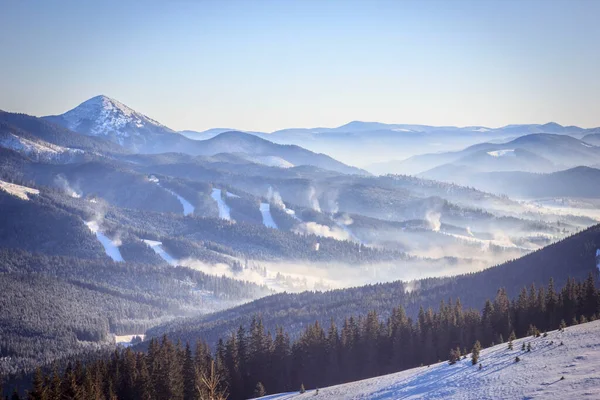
538,374
18,190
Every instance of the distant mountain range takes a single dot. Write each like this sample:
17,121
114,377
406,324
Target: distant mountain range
540,152
105,118
367,143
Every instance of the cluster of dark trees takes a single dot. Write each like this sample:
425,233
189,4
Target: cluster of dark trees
253,362
55,306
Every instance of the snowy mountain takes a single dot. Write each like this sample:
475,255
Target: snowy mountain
106,117
560,366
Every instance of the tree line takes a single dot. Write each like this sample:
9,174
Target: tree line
253,361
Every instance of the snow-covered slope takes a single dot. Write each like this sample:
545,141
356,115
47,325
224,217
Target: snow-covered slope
158,249
38,150
110,247
103,116
21,192
265,210
224,211
538,375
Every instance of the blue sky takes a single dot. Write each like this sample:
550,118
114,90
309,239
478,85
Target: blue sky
267,65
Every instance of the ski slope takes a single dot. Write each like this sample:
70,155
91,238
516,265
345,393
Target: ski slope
224,211
110,247
267,218
158,249
188,208
536,376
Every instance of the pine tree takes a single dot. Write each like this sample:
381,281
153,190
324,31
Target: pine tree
189,375
563,325
528,347
475,353
38,391
259,391
454,356
510,340
302,390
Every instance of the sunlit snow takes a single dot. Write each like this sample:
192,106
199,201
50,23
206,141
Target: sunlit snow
110,247
549,371
265,210
502,153
18,190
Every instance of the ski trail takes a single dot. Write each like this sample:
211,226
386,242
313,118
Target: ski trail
188,208
157,247
110,248
224,211
265,210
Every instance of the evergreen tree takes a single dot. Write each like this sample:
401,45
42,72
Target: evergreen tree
259,391
475,352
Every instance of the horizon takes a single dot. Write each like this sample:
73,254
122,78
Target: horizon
266,65
310,127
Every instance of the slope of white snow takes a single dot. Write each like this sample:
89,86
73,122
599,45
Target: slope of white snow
267,218
502,153
224,211
598,259
536,376
110,247
158,249
188,208
39,150
18,190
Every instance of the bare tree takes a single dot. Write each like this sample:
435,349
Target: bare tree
210,383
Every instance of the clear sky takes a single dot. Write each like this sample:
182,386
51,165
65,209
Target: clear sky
267,65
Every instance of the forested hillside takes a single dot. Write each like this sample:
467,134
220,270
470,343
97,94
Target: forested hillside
56,306
573,257
254,361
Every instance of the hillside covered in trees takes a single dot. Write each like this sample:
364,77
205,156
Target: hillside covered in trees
254,362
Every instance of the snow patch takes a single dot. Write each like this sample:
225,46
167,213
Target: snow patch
18,190
265,210
502,153
110,247
224,210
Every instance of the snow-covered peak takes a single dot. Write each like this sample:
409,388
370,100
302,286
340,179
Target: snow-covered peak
102,115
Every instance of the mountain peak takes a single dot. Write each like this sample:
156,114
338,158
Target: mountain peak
104,116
